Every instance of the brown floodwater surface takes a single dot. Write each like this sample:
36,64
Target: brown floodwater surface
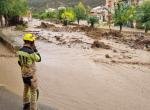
70,80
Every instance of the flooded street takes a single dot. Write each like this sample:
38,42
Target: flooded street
70,80
10,76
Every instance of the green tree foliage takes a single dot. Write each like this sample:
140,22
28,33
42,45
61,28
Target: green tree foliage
143,15
5,6
11,9
36,15
68,16
92,20
43,15
52,15
123,14
60,11
19,8
80,12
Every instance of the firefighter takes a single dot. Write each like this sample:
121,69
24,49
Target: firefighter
27,56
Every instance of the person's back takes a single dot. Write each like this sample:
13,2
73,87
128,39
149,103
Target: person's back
27,56
27,59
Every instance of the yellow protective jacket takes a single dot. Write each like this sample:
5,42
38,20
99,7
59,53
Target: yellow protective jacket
26,59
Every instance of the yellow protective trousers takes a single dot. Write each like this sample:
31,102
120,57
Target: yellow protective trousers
30,93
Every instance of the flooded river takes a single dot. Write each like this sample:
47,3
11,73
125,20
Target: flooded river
70,80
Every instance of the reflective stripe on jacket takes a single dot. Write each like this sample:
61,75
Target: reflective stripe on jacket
26,59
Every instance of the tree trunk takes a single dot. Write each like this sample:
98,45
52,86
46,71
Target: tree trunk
146,29
14,20
92,25
6,20
78,21
1,21
65,22
109,27
120,28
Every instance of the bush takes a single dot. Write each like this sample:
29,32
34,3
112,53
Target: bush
139,25
143,15
60,11
52,15
92,20
43,16
68,16
36,15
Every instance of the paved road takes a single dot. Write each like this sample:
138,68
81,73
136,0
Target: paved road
70,80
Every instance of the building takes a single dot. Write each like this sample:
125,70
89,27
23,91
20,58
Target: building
104,12
111,3
99,12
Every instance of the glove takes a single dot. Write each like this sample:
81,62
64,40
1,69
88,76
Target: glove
34,47
39,56
19,63
35,50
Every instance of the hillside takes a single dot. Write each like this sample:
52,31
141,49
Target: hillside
42,4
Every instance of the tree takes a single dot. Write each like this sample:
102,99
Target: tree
143,15
123,14
43,15
80,12
11,9
52,15
5,7
68,16
92,20
19,9
60,11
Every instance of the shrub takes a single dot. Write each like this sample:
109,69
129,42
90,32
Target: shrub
143,13
92,20
43,15
36,15
68,16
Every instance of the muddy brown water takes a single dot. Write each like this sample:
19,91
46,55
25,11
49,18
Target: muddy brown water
69,80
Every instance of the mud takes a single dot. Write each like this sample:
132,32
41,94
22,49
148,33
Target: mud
136,41
72,76
70,80
10,76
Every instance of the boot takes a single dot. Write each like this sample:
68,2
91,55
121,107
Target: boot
26,106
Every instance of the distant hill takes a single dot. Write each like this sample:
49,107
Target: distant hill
43,4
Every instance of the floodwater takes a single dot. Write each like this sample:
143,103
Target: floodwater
70,80
10,76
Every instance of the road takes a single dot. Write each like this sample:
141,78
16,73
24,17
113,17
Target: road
70,80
